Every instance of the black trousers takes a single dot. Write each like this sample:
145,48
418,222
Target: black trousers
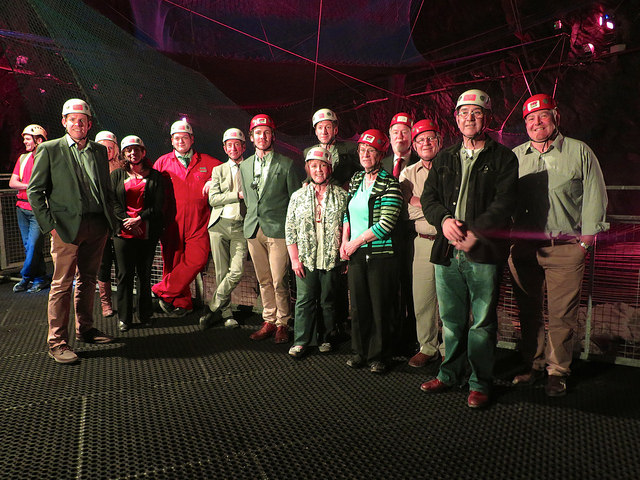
373,286
134,256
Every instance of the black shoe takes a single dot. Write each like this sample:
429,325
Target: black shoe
165,306
377,367
180,312
209,319
556,386
124,326
355,362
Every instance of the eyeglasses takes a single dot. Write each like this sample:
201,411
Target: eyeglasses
367,151
478,113
424,140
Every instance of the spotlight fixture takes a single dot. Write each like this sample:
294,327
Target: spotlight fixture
606,20
557,25
589,49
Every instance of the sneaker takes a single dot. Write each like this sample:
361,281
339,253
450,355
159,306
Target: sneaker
325,347
38,287
63,354
93,335
296,351
21,286
231,323
377,367
166,307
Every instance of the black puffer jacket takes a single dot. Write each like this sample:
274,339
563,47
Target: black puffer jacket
491,200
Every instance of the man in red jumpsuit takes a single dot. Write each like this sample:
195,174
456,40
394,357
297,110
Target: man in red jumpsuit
185,241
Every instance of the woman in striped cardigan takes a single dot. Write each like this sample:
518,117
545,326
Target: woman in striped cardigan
374,204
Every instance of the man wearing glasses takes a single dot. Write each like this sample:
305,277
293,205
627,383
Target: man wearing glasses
426,143
268,180
470,196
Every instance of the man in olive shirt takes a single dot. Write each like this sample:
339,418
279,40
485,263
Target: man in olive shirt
562,202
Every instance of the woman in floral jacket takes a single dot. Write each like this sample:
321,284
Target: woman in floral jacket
313,232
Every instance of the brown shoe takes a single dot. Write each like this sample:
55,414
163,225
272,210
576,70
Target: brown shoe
556,386
477,399
433,386
265,332
420,359
93,335
529,378
63,354
282,334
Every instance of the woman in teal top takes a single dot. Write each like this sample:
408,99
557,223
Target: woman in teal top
374,204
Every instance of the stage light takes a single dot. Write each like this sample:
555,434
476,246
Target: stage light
606,20
557,25
588,48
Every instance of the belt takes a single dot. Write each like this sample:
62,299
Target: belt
428,237
554,242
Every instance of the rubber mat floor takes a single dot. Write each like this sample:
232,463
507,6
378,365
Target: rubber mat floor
172,402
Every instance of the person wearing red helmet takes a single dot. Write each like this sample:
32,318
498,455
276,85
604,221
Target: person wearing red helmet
185,240
426,143
374,205
562,206
470,196
33,272
268,181
402,155
71,196
400,139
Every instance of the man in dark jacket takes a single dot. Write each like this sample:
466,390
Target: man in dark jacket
469,197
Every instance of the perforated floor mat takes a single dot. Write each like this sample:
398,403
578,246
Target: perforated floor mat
172,402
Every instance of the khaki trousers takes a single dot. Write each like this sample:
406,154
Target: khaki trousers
228,249
558,270
83,255
271,263
425,303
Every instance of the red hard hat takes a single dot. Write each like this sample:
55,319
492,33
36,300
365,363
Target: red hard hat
541,101
375,138
425,125
402,118
262,120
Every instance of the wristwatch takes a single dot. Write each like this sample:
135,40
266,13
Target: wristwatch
586,246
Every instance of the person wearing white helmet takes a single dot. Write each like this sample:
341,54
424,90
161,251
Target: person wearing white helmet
185,241
313,232
470,196
426,143
109,140
268,181
139,207
71,195
228,245
562,204
33,272
344,155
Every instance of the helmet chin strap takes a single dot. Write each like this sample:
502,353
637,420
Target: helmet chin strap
551,136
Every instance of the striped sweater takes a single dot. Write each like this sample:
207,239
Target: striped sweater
385,204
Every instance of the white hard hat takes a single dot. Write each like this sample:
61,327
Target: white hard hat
233,134
324,114
106,135
130,141
319,153
75,105
474,97
34,129
181,126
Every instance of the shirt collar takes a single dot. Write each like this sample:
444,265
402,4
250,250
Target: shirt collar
557,143
232,163
71,142
189,154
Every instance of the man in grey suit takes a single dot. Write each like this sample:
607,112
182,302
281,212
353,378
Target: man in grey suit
228,245
71,196
268,180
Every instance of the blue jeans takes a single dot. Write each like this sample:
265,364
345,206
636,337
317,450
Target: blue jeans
468,287
33,269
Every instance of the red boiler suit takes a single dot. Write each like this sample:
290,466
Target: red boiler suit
185,241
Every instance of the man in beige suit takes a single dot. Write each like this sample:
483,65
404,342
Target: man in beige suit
228,245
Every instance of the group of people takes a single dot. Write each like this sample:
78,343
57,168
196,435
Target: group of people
425,230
